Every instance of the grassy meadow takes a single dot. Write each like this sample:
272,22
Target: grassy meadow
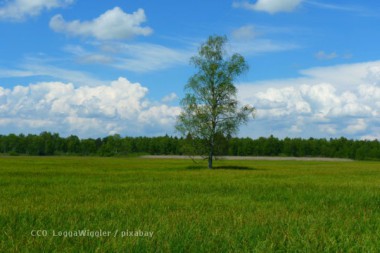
242,206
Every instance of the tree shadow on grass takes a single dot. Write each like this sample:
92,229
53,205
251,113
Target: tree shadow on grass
229,167
233,167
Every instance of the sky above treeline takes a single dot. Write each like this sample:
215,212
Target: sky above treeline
95,68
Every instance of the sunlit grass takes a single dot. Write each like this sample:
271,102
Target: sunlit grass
242,206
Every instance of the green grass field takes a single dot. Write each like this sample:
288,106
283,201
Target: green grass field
242,206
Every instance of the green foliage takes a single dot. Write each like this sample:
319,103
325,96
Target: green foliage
248,206
46,144
210,109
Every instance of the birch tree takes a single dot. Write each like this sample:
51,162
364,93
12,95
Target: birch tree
210,111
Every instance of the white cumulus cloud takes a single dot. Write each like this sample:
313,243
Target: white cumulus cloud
169,98
270,6
120,107
359,125
17,10
113,24
311,106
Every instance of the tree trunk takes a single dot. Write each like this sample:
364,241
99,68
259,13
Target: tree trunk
210,156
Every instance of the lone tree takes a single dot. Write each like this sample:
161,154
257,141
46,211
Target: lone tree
211,113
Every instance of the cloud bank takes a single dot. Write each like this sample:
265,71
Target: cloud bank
341,100
121,107
311,106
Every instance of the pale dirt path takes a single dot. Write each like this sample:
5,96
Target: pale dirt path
263,158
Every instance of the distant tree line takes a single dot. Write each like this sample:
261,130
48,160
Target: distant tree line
47,144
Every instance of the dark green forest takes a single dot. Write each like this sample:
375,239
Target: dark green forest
48,144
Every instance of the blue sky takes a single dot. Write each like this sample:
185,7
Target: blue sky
94,68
